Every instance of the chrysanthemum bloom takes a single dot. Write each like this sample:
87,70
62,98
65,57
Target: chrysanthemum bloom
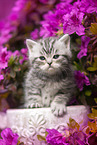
8,137
81,80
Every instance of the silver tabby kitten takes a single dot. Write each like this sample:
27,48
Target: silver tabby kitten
50,80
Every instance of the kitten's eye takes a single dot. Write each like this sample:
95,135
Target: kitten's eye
55,56
42,57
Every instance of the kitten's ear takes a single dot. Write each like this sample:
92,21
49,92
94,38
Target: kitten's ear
66,39
30,43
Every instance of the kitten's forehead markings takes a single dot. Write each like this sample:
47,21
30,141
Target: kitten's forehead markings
43,47
51,45
56,50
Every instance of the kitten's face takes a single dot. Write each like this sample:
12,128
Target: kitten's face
49,55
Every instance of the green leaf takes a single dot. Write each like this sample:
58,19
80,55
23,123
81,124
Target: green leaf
12,74
78,67
93,28
73,124
93,115
17,68
11,61
41,138
88,92
94,111
92,68
95,100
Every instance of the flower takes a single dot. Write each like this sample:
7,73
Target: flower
90,5
34,34
1,77
3,58
55,138
8,137
85,41
53,20
24,55
77,138
81,79
73,22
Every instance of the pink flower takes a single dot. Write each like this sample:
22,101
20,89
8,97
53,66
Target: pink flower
85,41
73,22
24,52
34,34
81,80
8,137
3,58
55,138
1,77
77,138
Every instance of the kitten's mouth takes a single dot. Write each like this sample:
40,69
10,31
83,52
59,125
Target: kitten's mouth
50,69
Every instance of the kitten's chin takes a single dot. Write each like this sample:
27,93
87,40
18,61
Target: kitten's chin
50,70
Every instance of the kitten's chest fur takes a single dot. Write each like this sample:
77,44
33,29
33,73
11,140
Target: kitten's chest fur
49,91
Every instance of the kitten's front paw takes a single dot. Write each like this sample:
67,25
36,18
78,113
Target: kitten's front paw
33,105
58,109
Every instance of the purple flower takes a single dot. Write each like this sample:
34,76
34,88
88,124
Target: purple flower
73,22
34,34
89,5
85,41
3,58
8,137
81,80
24,52
77,138
49,25
53,20
55,138
5,33
1,77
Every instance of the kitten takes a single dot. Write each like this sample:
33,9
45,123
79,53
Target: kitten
50,80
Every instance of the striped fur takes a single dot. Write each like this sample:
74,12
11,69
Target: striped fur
49,81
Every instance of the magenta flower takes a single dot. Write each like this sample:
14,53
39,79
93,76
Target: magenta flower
85,41
81,80
8,137
1,77
55,138
77,138
53,20
5,32
3,58
24,53
73,22
34,34
89,5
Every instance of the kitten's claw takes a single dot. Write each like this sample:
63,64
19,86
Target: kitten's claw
58,109
34,105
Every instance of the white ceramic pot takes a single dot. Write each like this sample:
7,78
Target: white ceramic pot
30,122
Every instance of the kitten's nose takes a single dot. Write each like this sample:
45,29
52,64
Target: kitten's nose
49,63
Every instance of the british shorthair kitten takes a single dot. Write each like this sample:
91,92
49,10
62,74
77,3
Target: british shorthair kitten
50,80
